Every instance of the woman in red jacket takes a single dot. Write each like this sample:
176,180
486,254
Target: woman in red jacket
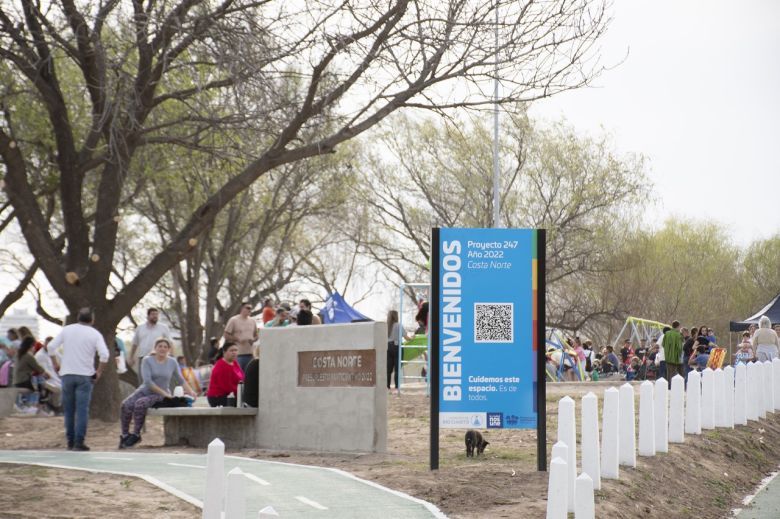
225,376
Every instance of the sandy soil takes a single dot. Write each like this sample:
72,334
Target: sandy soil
705,477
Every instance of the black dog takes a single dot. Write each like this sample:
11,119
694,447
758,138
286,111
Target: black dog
474,440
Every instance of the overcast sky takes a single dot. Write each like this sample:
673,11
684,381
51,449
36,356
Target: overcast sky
698,93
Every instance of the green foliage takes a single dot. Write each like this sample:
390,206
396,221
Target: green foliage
691,271
440,174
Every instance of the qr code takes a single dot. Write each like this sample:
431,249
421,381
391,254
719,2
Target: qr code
494,322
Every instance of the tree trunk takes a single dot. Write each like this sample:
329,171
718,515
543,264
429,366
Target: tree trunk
106,397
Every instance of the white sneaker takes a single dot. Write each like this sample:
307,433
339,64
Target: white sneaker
31,410
45,412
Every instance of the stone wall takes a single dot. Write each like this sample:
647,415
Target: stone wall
320,419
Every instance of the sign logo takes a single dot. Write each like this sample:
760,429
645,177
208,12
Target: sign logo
495,420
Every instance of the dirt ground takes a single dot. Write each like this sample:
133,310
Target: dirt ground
705,477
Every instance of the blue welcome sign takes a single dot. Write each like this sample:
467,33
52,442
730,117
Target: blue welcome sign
487,322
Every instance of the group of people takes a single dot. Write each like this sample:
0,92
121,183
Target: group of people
25,364
676,350
575,359
67,363
235,370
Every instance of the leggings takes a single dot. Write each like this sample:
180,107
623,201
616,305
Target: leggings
134,408
392,366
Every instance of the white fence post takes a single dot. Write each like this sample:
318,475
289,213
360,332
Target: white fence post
677,411
740,395
769,387
646,419
761,396
718,398
610,423
556,489
589,439
215,480
567,433
627,426
707,399
753,390
585,507
728,395
693,404
776,378
661,415
235,497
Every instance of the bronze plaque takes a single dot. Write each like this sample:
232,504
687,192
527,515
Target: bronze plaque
337,368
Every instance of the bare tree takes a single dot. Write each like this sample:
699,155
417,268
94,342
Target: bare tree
252,250
155,74
573,186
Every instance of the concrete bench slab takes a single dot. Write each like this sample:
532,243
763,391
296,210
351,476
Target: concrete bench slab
203,411
198,426
7,400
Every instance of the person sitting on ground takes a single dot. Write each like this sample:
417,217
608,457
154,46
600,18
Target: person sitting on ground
51,395
594,375
765,340
158,370
700,358
225,376
24,369
643,349
625,352
633,368
610,362
745,352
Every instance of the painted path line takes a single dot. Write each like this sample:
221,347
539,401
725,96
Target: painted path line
110,458
187,465
256,479
314,504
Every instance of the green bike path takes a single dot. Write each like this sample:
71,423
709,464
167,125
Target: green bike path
765,504
289,490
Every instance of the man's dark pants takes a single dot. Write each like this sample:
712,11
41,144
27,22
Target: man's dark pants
243,360
672,370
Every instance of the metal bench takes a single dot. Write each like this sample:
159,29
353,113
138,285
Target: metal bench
198,426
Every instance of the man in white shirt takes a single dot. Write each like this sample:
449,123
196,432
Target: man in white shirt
80,342
146,335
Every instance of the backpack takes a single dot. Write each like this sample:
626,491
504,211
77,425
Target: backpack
588,363
6,372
